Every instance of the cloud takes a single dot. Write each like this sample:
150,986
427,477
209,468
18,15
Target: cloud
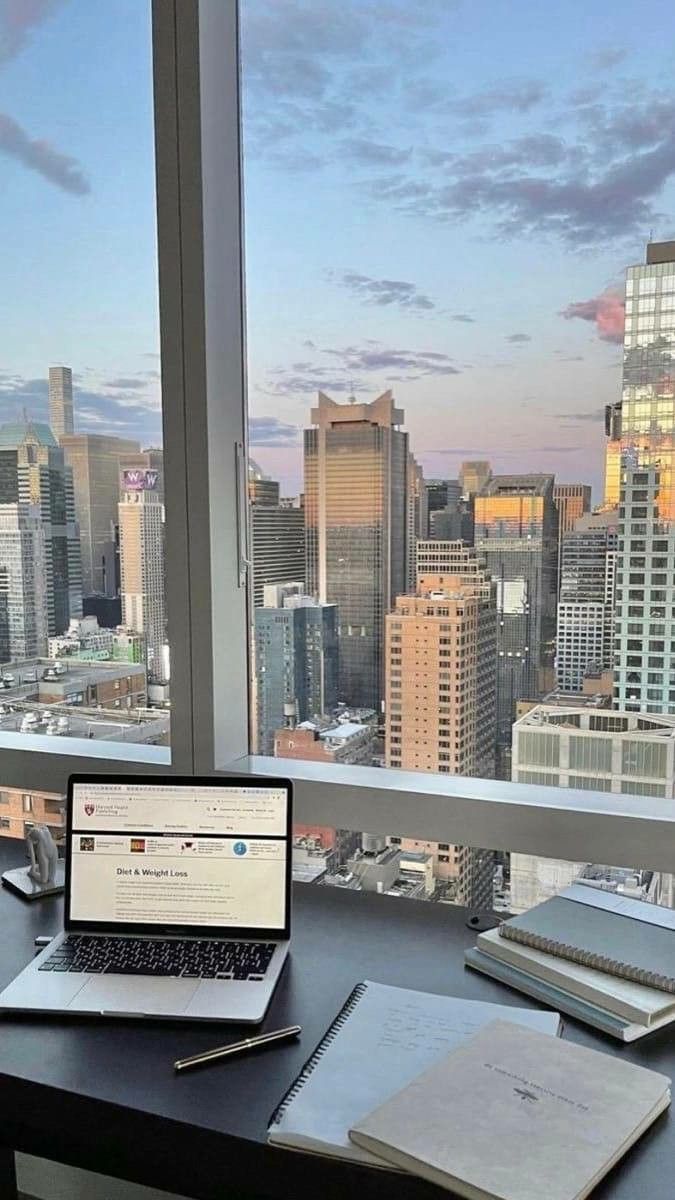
128,383
39,156
518,338
17,19
609,57
606,311
511,95
270,431
464,317
373,154
557,449
598,414
384,292
377,358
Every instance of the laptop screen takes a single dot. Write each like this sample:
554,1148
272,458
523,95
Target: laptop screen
188,854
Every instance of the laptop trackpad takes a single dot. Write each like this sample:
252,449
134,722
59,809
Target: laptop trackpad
134,994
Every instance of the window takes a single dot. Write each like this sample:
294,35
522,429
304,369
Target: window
82,531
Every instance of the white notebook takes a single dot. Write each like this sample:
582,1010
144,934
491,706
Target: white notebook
380,1040
516,1116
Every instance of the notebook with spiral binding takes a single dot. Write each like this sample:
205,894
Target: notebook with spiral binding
629,938
380,1040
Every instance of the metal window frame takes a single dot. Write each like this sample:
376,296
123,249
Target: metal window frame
201,282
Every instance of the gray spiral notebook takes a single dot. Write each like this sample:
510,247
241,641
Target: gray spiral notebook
629,938
380,1040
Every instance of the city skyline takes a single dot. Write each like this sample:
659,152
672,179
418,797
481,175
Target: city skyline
430,213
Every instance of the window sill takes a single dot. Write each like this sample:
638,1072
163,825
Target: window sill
562,823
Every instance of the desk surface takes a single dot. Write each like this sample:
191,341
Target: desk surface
102,1094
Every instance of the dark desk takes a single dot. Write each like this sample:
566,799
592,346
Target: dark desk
102,1095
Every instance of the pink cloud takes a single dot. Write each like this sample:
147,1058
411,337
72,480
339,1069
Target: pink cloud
607,311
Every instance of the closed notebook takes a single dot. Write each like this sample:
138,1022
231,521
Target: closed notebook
513,1115
632,1001
381,1039
623,937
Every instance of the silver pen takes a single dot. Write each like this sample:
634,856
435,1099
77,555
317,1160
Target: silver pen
263,1039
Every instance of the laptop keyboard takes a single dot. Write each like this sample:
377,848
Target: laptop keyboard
189,959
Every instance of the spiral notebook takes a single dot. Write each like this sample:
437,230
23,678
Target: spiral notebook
616,934
380,1040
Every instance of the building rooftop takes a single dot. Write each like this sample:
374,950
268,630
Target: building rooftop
527,485
62,720
609,721
15,433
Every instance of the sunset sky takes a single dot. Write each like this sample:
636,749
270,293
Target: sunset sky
441,198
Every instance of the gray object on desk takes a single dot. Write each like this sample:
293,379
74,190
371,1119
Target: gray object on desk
45,876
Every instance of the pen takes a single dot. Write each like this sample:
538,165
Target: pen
263,1039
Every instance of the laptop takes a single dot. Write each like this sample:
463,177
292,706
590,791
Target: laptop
177,901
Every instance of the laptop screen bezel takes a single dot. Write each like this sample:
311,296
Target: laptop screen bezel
156,928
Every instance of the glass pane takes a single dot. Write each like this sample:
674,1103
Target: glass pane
83,640
450,403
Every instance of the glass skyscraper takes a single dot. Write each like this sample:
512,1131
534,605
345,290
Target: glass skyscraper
644,678
516,535
357,531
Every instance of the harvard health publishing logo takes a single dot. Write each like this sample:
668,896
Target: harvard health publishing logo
90,809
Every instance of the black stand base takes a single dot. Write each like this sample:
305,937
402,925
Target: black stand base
19,881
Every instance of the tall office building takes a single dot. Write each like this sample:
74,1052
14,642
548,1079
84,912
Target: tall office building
516,534
277,539
95,459
23,582
645,597
261,489
141,519
572,500
473,477
612,455
356,489
585,621
440,679
296,661
441,698
33,472
417,517
61,401
441,493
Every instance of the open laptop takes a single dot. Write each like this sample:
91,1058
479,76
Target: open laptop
177,901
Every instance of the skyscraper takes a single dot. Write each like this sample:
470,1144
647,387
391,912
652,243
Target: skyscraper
473,476
572,500
94,459
645,596
141,516
261,489
516,534
61,401
441,664
612,455
441,696
417,517
23,582
277,539
585,623
356,489
296,661
33,472
441,493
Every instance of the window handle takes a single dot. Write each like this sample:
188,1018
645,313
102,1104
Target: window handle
241,477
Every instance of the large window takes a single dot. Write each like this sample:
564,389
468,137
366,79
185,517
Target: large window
83,630
440,283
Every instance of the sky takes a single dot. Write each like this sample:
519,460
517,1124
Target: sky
442,197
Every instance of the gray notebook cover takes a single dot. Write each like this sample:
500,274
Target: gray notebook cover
515,1115
597,937
382,1038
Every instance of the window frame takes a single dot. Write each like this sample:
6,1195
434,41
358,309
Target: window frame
196,73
